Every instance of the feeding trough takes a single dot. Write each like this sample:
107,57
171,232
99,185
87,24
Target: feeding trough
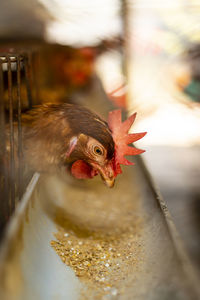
72,240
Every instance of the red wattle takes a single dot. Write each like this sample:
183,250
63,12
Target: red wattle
81,170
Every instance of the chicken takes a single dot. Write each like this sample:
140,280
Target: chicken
72,137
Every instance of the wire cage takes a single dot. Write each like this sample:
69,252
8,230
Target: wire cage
18,88
28,76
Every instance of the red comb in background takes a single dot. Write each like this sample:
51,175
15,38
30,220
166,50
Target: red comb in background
122,139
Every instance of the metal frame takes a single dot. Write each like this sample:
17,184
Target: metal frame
183,257
15,69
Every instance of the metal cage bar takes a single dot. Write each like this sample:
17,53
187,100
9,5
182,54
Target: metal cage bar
4,208
20,146
11,137
16,69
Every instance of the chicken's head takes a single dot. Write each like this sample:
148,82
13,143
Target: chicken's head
91,147
101,151
91,158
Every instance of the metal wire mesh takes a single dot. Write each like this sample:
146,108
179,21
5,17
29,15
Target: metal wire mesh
16,71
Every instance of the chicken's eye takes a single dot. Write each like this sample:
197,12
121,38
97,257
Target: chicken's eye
97,150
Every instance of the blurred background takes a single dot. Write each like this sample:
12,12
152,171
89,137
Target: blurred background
140,55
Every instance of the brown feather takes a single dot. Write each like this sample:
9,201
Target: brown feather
47,130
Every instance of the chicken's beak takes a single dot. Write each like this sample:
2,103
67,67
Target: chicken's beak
107,174
109,182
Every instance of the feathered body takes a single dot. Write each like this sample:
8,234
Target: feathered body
73,137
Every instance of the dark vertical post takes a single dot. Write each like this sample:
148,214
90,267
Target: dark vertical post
11,131
20,146
28,78
3,171
126,37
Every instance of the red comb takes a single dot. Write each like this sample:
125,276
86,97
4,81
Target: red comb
122,138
